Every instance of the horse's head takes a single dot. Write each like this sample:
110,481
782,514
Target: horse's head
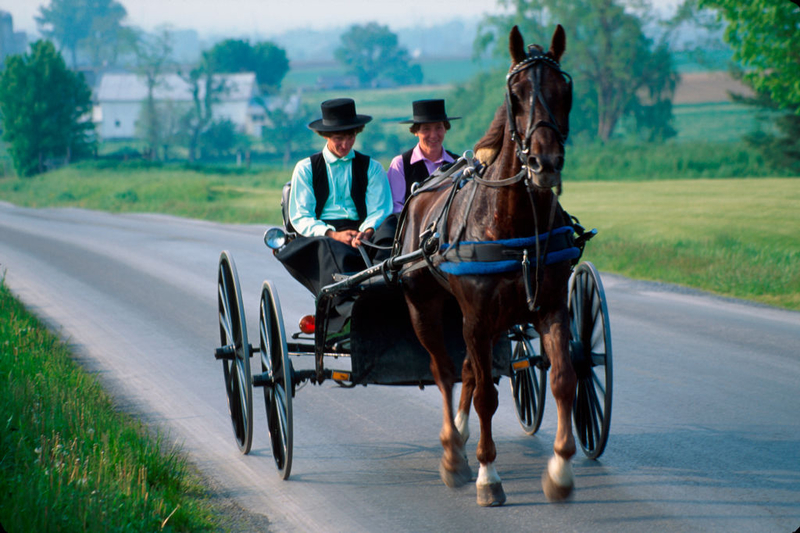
538,101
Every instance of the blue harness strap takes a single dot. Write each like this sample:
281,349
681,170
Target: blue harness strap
489,257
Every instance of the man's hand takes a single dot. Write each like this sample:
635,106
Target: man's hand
346,236
365,235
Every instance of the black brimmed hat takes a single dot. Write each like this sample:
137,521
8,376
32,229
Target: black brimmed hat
426,111
339,115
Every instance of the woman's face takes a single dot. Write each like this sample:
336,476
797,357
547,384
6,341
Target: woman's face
431,136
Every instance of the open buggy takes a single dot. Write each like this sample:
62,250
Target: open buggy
377,346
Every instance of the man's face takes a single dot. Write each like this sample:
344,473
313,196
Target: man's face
340,144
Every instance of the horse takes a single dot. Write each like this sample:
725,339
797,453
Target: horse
522,156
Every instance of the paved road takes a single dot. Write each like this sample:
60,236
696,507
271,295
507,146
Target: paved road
706,421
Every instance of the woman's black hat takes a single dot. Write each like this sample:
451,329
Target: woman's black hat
339,114
426,111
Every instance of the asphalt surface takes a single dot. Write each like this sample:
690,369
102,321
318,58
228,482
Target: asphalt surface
705,431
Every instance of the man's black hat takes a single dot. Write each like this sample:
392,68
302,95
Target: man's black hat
338,115
426,111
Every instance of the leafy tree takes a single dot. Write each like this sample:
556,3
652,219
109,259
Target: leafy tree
95,24
765,38
766,43
372,52
287,131
45,109
618,71
267,60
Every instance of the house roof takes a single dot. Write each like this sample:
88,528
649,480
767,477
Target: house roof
127,87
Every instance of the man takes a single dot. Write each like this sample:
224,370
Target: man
429,124
338,200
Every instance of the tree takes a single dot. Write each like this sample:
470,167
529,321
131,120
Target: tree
206,89
287,130
765,37
40,122
152,58
618,71
267,60
766,43
95,24
371,52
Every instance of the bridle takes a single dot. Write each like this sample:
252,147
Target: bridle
533,65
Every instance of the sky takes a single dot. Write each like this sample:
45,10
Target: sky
272,17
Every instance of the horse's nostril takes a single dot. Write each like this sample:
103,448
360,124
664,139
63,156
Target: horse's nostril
533,163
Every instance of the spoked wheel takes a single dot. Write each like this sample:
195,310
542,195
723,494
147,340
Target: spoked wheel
235,352
276,379
590,348
528,377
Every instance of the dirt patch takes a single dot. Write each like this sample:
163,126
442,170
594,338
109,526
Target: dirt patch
708,87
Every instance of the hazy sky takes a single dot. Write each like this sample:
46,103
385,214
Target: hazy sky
274,16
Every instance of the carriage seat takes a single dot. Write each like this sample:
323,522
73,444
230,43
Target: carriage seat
287,223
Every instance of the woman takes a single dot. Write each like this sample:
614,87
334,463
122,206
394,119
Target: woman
429,124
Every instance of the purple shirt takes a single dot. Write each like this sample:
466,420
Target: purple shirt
397,176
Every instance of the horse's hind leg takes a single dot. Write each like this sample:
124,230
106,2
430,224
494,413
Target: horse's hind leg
467,390
558,480
479,350
427,321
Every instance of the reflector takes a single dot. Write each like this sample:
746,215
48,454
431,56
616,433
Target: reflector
307,324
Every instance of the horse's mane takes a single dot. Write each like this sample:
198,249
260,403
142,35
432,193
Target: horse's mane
489,146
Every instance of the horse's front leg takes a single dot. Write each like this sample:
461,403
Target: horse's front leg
479,351
558,480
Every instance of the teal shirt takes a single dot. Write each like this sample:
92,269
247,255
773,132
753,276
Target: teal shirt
339,206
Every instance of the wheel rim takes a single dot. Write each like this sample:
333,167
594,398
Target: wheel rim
590,349
277,367
529,384
236,372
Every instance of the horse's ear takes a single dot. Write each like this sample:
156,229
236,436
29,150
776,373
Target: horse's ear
516,45
559,43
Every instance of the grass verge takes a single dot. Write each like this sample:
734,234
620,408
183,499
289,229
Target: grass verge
732,237
70,461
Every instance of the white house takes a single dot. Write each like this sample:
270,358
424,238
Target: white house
119,98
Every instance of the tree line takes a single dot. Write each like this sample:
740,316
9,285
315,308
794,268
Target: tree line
623,75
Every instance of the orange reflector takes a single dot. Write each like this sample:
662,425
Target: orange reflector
520,365
340,376
307,324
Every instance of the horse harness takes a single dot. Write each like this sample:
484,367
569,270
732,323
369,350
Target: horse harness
507,255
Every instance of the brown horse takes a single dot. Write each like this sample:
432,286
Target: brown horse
522,154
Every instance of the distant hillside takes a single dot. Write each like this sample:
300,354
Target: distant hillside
708,87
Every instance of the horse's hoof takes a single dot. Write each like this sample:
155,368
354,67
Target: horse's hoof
554,492
459,478
491,495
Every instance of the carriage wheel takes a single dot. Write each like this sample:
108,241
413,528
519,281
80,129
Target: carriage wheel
590,349
236,362
528,378
278,386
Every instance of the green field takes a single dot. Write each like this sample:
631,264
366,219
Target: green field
731,236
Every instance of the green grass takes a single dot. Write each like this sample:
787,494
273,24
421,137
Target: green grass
732,237
243,197
72,462
729,235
